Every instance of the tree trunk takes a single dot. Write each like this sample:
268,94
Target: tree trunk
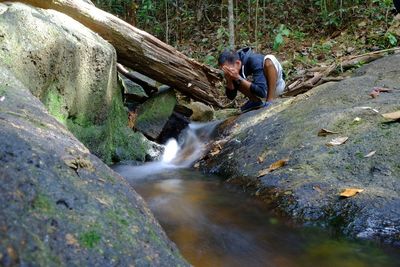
143,52
231,25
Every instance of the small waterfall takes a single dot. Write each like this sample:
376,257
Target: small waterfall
180,153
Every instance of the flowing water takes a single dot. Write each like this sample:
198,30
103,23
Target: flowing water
217,224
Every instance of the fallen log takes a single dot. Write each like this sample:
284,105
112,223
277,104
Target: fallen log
143,52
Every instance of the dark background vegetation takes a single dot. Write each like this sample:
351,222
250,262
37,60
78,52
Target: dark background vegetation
302,33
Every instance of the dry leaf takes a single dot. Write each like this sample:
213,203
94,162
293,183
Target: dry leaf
350,192
370,154
337,141
325,132
71,240
392,116
317,188
369,108
262,157
377,90
263,172
132,116
274,166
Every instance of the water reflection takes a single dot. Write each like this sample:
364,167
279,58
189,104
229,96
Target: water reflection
215,224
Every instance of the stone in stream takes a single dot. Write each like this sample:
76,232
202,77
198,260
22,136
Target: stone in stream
153,114
201,112
308,187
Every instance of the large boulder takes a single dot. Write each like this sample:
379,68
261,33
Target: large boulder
72,70
308,187
59,204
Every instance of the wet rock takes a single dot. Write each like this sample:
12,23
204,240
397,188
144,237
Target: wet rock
59,204
316,174
201,112
133,93
153,114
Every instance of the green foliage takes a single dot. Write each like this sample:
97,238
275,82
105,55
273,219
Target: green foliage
279,38
391,38
211,60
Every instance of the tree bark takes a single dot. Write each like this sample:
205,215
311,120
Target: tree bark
143,52
231,25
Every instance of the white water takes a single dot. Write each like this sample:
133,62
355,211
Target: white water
182,154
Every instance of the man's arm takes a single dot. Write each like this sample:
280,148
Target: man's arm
233,75
271,76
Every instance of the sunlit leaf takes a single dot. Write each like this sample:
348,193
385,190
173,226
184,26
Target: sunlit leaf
370,154
274,166
350,192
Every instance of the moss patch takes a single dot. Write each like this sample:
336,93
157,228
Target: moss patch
112,141
89,239
42,203
54,102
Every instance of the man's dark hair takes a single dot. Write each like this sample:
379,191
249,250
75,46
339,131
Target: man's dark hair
228,55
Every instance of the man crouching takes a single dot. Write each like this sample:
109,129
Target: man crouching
268,77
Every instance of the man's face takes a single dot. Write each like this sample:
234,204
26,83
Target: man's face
234,66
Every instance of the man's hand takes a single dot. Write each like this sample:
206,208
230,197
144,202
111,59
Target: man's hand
231,73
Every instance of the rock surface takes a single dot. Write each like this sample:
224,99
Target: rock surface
308,187
59,204
201,112
72,70
153,114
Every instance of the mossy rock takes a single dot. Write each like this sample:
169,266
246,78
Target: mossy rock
72,70
62,206
153,114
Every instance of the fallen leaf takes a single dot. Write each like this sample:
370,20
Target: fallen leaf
317,188
325,132
369,108
392,116
350,192
274,166
337,141
279,164
262,156
215,151
370,154
375,92
71,240
132,119
382,89
103,201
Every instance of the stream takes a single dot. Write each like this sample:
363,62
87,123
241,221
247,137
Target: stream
214,223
